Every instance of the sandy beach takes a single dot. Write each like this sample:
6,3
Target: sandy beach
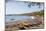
25,24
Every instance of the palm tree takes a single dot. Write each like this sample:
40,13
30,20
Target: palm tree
39,4
29,5
33,4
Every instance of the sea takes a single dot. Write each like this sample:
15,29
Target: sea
15,18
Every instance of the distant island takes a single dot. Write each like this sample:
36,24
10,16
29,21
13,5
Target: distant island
40,13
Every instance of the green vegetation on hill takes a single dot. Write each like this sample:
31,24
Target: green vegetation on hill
41,13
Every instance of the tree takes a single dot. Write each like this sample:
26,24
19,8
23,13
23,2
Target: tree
33,4
38,4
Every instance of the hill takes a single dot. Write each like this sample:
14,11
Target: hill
40,13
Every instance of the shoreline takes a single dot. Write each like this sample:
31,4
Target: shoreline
37,24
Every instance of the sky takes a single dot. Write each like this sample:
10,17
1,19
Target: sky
14,7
